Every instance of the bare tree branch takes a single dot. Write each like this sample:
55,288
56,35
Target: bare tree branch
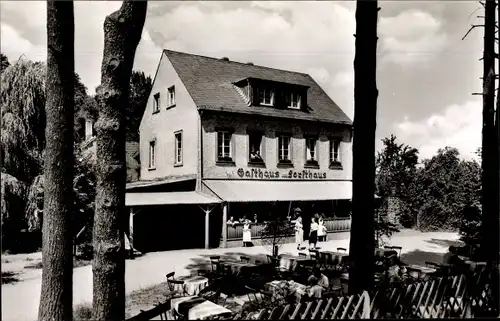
471,28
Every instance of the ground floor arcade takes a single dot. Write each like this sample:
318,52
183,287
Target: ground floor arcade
167,218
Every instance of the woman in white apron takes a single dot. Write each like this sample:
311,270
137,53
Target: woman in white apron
247,234
299,232
321,230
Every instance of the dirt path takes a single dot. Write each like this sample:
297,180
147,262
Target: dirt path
20,300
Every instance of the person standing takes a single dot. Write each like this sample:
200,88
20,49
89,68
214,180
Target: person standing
313,234
321,229
247,233
299,232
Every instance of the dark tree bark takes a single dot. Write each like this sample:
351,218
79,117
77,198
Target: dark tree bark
489,244
361,271
122,33
56,299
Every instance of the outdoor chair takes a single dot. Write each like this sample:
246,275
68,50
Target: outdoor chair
398,249
253,299
343,249
313,254
214,261
177,287
245,259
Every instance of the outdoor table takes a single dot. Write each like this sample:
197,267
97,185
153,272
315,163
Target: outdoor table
238,267
192,284
197,308
380,252
335,257
290,262
473,265
299,290
419,272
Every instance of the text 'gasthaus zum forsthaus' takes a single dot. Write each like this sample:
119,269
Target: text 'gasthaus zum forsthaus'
258,173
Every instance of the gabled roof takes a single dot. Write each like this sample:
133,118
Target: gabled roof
210,81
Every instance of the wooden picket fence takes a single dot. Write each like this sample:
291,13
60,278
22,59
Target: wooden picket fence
461,296
351,307
473,295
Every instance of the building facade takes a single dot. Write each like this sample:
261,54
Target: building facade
233,138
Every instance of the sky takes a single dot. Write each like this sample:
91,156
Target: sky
426,73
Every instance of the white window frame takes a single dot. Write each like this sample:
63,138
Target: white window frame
223,139
152,154
171,97
333,159
178,148
294,104
250,134
281,148
156,103
314,156
262,94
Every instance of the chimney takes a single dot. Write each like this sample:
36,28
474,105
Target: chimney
250,63
224,58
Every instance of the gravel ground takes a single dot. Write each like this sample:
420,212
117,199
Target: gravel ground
20,299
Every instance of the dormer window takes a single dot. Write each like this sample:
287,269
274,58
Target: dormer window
293,100
266,96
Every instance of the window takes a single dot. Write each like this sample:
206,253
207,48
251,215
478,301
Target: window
178,148
152,154
284,149
311,156
335,152
156,103
171,96
266,96
293,100
224,145
255,148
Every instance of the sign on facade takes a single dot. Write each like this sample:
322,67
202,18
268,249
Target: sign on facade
269,174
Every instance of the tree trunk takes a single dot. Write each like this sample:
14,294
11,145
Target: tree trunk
489,245
56,299
361,271
122,33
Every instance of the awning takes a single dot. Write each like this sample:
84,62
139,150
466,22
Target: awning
172,198
266,191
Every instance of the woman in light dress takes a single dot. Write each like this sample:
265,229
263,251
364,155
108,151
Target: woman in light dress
247,233
321,230
313,234
299,232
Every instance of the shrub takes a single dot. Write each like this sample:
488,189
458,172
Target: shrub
274,234
82,312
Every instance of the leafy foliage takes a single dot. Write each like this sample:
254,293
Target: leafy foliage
470,229
384,226
275,233
23,142
446,185
4,62
140,87
432,196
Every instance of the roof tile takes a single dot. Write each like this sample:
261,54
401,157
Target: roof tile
209,81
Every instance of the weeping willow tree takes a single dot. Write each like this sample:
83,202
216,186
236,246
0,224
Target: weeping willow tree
22,141
22,146
23,119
